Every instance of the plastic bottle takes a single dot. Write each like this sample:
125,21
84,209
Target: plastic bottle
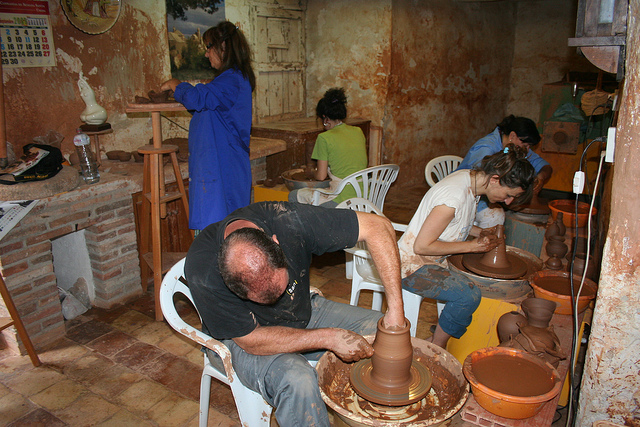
85,156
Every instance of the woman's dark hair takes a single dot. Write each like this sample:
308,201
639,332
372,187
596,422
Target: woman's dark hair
513,170
236,53
525,128
240,280
333,105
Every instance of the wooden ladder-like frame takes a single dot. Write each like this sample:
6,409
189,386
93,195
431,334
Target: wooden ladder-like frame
155,199
15,320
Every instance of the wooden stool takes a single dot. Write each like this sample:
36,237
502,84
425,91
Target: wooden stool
15,320
154,206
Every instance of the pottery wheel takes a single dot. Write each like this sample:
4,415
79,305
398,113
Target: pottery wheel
418,387
517,269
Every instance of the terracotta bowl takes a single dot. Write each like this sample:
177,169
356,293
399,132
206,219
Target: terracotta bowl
124,156
295,184
545,285
507,405
139,158
568,209
114,155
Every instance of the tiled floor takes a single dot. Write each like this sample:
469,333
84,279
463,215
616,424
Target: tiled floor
121,367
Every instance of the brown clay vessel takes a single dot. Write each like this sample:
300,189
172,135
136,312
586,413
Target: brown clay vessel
579,264
552,230
562,229
539,311
509,325
554,263
556,248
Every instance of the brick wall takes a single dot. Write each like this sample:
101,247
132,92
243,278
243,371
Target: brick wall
105,211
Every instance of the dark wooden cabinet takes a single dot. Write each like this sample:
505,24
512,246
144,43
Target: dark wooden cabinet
300,136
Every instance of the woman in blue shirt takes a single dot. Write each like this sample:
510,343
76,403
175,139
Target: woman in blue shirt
219,133
521,132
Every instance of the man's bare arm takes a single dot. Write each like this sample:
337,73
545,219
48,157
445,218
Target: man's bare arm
380,237
267,340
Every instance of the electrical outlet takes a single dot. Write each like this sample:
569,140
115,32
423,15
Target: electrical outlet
578,182
611,145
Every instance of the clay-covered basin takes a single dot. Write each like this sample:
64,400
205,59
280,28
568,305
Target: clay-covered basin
448,393
554,285
295,179
511,383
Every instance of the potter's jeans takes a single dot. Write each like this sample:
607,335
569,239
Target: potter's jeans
287,381
461,296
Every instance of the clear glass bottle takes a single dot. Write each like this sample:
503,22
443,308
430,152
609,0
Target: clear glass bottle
86,158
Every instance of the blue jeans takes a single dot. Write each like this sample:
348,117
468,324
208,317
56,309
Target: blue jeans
461,296
287,381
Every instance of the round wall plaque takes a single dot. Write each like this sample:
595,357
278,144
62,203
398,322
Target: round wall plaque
91,16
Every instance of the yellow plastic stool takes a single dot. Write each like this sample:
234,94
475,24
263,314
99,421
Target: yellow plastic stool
482,331
279,193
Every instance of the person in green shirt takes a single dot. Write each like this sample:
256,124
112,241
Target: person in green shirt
339,151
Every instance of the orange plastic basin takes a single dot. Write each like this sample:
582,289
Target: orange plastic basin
508,405
568,209
554,286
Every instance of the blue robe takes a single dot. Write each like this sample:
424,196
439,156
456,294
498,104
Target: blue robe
219,135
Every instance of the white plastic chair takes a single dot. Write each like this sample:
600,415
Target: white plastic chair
371,183
252,409
441,167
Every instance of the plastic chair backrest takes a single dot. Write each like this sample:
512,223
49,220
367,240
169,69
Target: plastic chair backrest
441,167
171,285
371,183
252,409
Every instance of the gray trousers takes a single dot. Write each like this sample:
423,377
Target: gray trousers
287,381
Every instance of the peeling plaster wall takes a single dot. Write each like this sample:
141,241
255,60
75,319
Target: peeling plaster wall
349,45
542,54
450,74
129,59
611,379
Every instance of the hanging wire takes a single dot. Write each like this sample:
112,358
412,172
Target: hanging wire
180,126
572,401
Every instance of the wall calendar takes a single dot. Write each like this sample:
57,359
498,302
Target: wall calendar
26,39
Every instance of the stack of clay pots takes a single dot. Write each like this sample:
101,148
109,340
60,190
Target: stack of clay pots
531,332
556,248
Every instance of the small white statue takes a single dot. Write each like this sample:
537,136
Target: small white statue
94,114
